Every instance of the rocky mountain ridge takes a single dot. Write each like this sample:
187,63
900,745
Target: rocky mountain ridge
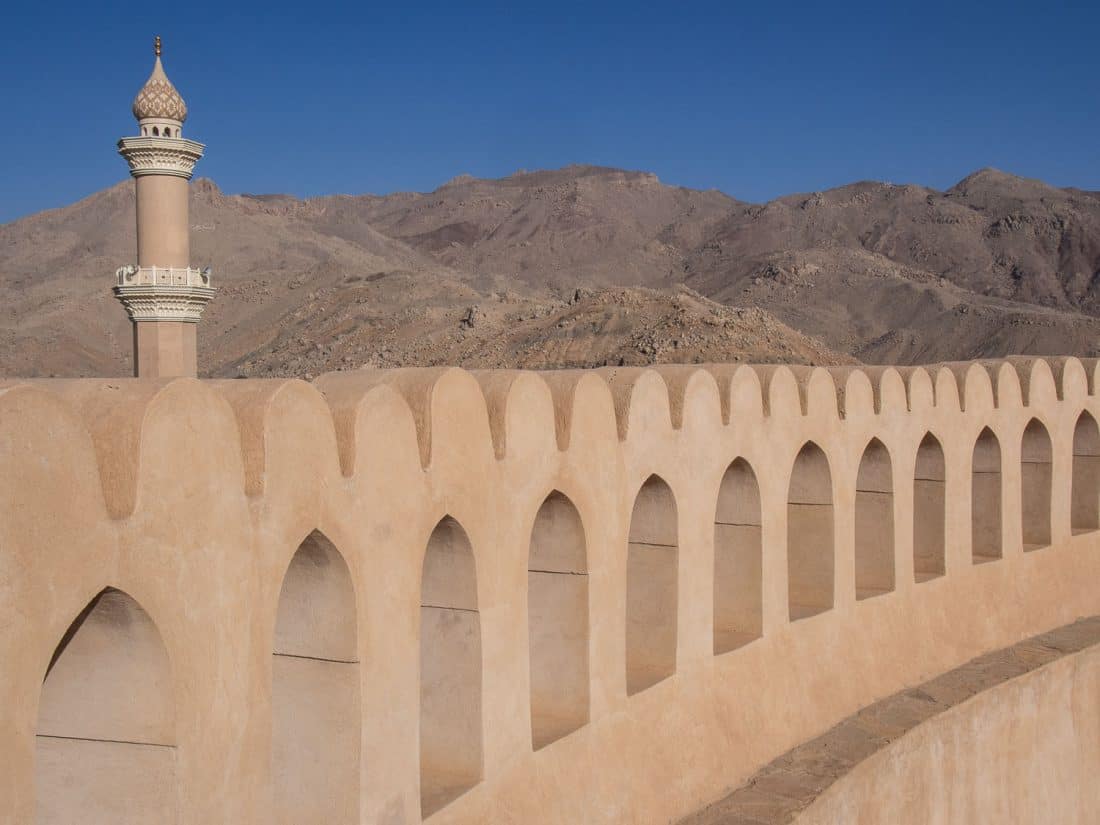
581,266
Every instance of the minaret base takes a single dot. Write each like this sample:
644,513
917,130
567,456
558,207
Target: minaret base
165,349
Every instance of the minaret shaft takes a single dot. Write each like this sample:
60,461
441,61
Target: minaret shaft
163,237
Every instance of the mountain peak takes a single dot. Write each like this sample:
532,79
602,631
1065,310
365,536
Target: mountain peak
994,183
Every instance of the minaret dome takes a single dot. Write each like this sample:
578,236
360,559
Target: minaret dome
158,107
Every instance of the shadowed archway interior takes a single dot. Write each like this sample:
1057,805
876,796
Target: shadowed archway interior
651,582
1036,456
105,745
929,511
315,706
557,621
985,499
874,540
810,541
1085,497
738,560
450,669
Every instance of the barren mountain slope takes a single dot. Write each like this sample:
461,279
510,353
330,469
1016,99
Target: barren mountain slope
306,286
580,225
882,273
992,233
908,274
590,328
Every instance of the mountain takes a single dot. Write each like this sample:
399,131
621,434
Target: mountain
580,266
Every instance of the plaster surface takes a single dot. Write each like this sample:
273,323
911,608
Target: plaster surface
1023,752
1007,737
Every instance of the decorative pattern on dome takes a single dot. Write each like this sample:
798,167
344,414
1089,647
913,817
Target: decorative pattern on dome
159,98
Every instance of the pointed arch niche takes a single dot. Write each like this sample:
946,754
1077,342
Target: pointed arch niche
929,511
1085,512
874,522
557,621
105,744
450,669
1036,455
810,543
315,711
651,581
738,560
985,499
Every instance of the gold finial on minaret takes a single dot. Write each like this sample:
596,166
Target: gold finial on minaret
156,45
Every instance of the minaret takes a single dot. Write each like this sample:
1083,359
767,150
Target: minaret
163,294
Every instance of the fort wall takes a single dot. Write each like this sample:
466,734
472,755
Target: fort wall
592,596
1024,751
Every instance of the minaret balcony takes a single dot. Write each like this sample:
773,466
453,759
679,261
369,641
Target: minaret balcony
163,276
162,293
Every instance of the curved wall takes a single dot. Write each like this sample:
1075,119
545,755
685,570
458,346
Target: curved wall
1025,752
192,498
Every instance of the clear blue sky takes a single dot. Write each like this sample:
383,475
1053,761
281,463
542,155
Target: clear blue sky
755,99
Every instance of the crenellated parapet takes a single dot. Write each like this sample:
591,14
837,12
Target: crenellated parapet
505,596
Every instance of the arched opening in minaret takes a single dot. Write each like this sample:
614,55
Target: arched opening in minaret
1085,497
557,621
738,560
1036,455
929,511
156,132
450,669
651,582
105,750
985,499
874,537
810,541
315,706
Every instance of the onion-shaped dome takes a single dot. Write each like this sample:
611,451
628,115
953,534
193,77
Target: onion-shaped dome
158,98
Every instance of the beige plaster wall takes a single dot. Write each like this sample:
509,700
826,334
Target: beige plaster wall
192,498
1023,752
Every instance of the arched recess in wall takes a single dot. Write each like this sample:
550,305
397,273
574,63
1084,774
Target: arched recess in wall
738,560
1036,455
1085,513
450,669
874,539
315,708
105,745
651,576
557,621
929,511
985,499
810,541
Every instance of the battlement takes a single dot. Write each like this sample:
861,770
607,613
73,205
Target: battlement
510,597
